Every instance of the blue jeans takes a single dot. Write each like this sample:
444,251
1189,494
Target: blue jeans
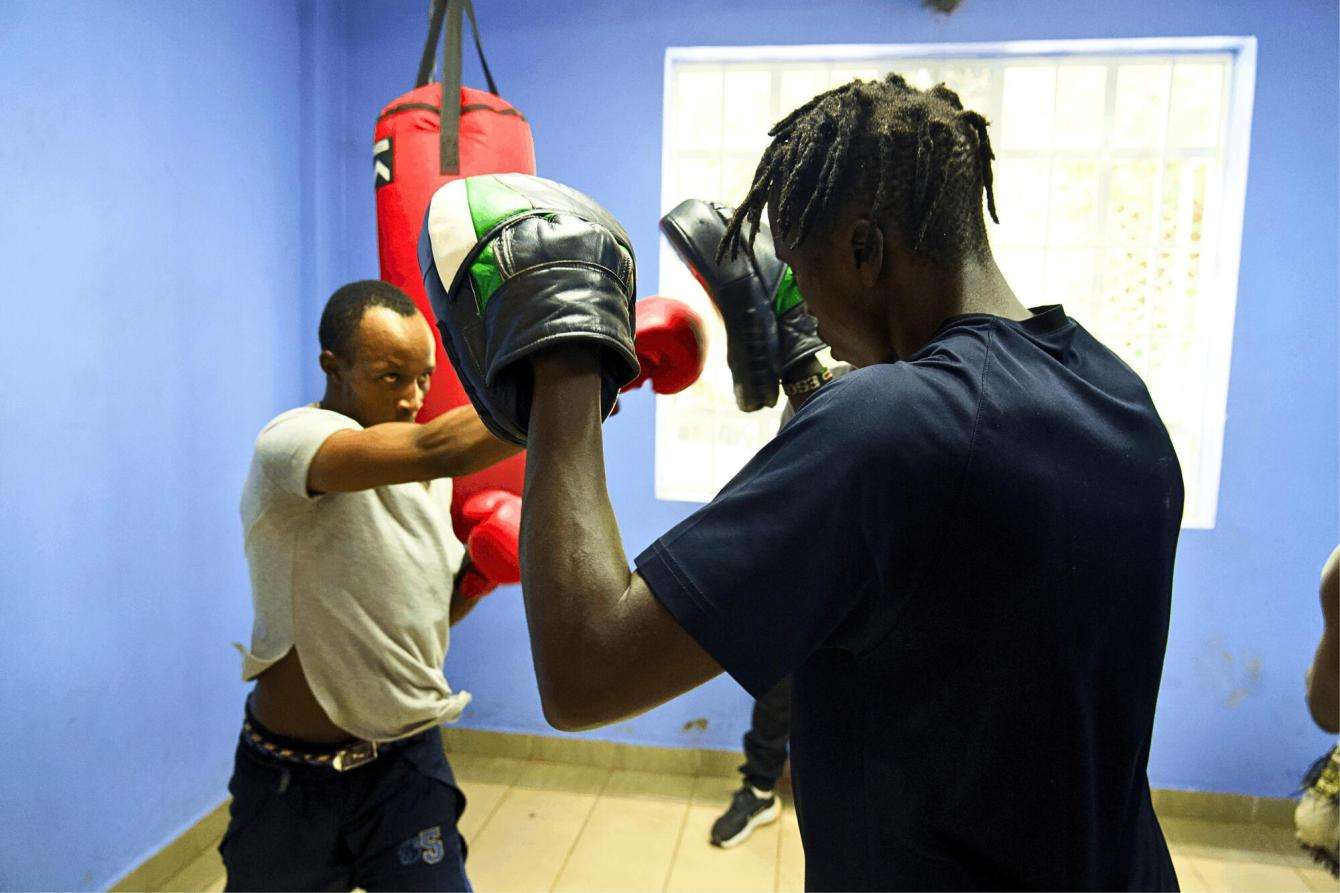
386,825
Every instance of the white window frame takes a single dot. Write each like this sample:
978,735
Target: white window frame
1228,230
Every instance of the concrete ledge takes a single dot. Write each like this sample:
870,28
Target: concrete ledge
589,752
1215,807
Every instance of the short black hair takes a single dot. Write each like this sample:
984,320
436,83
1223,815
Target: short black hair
922,157
345,309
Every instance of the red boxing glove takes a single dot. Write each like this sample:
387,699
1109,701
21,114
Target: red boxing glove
492,519
671,345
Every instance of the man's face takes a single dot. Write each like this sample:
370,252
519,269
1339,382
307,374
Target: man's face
387,375
850,317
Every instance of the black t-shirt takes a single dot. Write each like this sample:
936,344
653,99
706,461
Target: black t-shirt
965,558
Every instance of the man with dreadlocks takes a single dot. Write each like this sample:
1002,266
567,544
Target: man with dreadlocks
961,551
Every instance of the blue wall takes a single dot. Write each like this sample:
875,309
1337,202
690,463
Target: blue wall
589,76
162,242
189,181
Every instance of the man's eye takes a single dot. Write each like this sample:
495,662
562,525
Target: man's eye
391,378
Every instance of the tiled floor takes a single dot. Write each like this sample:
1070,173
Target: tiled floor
550,826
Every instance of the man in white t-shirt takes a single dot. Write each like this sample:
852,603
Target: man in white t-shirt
340,778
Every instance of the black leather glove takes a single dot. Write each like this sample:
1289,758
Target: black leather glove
770,337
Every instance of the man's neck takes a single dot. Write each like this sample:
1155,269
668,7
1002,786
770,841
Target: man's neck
332,402
974,286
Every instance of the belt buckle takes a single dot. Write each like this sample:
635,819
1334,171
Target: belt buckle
354,756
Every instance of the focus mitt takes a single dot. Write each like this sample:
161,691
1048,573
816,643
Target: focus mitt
514,264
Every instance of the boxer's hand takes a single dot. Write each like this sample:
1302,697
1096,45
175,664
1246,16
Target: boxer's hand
471,585
492,519
671,345
769,334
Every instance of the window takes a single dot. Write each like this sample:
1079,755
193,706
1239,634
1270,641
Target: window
1120,170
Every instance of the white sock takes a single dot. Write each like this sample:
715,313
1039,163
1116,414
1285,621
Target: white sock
762,795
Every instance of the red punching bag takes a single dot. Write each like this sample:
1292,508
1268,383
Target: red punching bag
431,135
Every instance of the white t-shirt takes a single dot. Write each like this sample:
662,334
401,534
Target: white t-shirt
360,582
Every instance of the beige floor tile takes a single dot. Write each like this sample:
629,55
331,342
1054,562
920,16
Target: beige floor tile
201,874
1283,840
1228,856
1318,879
650,785
628,842
484,780
481,801
1187,877
527,840
791,855
1233,876
699,866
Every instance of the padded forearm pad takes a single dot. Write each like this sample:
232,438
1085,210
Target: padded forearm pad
513,264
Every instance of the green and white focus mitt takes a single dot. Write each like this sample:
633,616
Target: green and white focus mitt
514,264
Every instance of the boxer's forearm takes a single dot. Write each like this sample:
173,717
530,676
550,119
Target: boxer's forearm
605,648
460,607
457,443
453,444
573,567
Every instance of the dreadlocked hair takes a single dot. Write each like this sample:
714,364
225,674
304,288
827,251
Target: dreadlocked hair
920,157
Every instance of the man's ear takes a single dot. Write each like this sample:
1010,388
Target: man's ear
329,364
867,251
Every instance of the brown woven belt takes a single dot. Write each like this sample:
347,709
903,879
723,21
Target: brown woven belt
351,756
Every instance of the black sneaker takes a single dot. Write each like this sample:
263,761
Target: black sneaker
747,811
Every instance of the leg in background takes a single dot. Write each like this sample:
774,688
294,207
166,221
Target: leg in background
765,744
